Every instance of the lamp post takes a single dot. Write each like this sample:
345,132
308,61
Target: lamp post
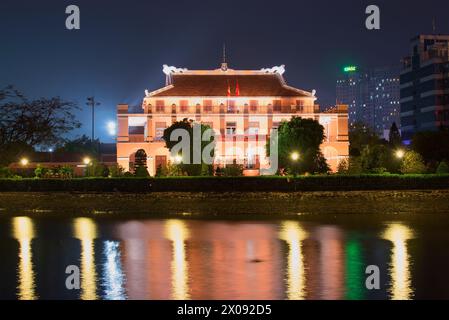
294,156
87,161
92,103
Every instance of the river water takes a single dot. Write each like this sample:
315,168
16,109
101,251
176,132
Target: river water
319,258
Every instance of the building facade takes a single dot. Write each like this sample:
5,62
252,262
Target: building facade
425,85
242,107
372,97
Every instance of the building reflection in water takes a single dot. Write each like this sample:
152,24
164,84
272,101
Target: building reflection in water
332,262
86,231
292,233
23,230
177,232
401,286
113,277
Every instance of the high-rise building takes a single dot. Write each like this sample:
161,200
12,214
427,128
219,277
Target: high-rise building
425,85
242,106
372,97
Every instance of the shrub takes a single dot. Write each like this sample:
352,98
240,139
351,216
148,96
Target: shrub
443,168
343,166
161,171
6,173
412,163
379,170
141,172
233,170
40,172
66,172
116,171
173,170
355,165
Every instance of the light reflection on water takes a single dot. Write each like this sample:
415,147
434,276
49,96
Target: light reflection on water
192,259
177,232
85,230
401,288
292,233
23,231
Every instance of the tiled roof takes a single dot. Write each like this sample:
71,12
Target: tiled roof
213,85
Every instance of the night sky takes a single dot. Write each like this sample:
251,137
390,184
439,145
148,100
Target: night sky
120,49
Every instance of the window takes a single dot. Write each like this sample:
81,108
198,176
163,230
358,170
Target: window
207,104
253,128
277,105
253,105
231,128
231,106
160,127
184,105
160,106
300,105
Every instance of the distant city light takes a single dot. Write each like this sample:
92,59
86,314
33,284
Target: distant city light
294,156
50,150
24,161
112,128
350,69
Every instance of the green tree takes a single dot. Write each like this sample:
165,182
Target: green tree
412,163
443,168
189,126
378,159
28,123
82,145
302,137
394,136
355,165
343,166
359,137
433,146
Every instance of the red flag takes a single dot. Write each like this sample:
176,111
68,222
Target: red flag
237,89
229,90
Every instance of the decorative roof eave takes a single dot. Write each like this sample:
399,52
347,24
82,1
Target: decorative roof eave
153,93
301,92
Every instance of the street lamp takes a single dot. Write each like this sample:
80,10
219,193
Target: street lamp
400,154
92,103
294,156
24,162
86,161
177,159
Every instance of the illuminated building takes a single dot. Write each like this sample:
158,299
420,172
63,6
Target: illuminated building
425,85
242,106
372,97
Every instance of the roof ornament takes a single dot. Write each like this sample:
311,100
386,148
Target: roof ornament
314,92
280,70
169,71
224,64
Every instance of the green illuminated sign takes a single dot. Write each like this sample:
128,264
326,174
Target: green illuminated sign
350,69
